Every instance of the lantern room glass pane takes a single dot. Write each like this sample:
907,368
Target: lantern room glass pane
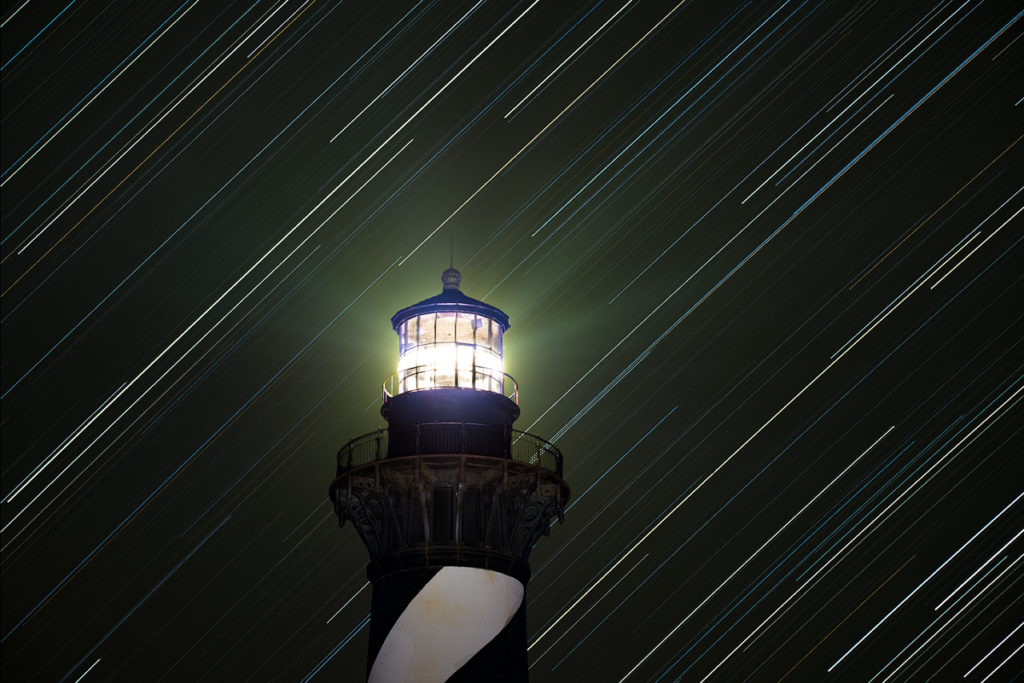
482,331
426,326
445,330
464,365
464,328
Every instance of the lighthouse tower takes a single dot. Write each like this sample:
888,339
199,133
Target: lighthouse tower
449,500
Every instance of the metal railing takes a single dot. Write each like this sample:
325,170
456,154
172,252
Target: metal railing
509,386
437,438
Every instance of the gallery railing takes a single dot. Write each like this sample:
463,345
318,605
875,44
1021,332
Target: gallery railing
423,378
442,438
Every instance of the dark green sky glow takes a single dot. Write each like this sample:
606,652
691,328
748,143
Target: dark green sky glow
763,268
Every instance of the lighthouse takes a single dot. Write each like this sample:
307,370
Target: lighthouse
449,500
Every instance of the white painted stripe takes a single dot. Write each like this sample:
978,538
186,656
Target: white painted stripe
453,617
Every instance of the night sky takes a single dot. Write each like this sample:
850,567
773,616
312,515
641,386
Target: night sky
763,266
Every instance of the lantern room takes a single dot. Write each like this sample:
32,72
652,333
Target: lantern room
450,341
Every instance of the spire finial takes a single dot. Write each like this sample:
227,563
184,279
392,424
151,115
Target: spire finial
451,278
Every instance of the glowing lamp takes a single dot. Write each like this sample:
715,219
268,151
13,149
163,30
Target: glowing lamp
450,341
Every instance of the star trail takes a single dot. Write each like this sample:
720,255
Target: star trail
763,264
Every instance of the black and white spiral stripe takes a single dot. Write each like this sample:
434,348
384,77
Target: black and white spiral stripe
447,624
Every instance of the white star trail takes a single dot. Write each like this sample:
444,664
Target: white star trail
544,129
929,577
997,646
568,59
39,147
129,147
409,68
753,555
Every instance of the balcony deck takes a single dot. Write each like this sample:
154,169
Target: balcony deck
443,438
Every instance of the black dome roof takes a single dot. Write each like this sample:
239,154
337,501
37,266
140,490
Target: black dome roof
451,300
